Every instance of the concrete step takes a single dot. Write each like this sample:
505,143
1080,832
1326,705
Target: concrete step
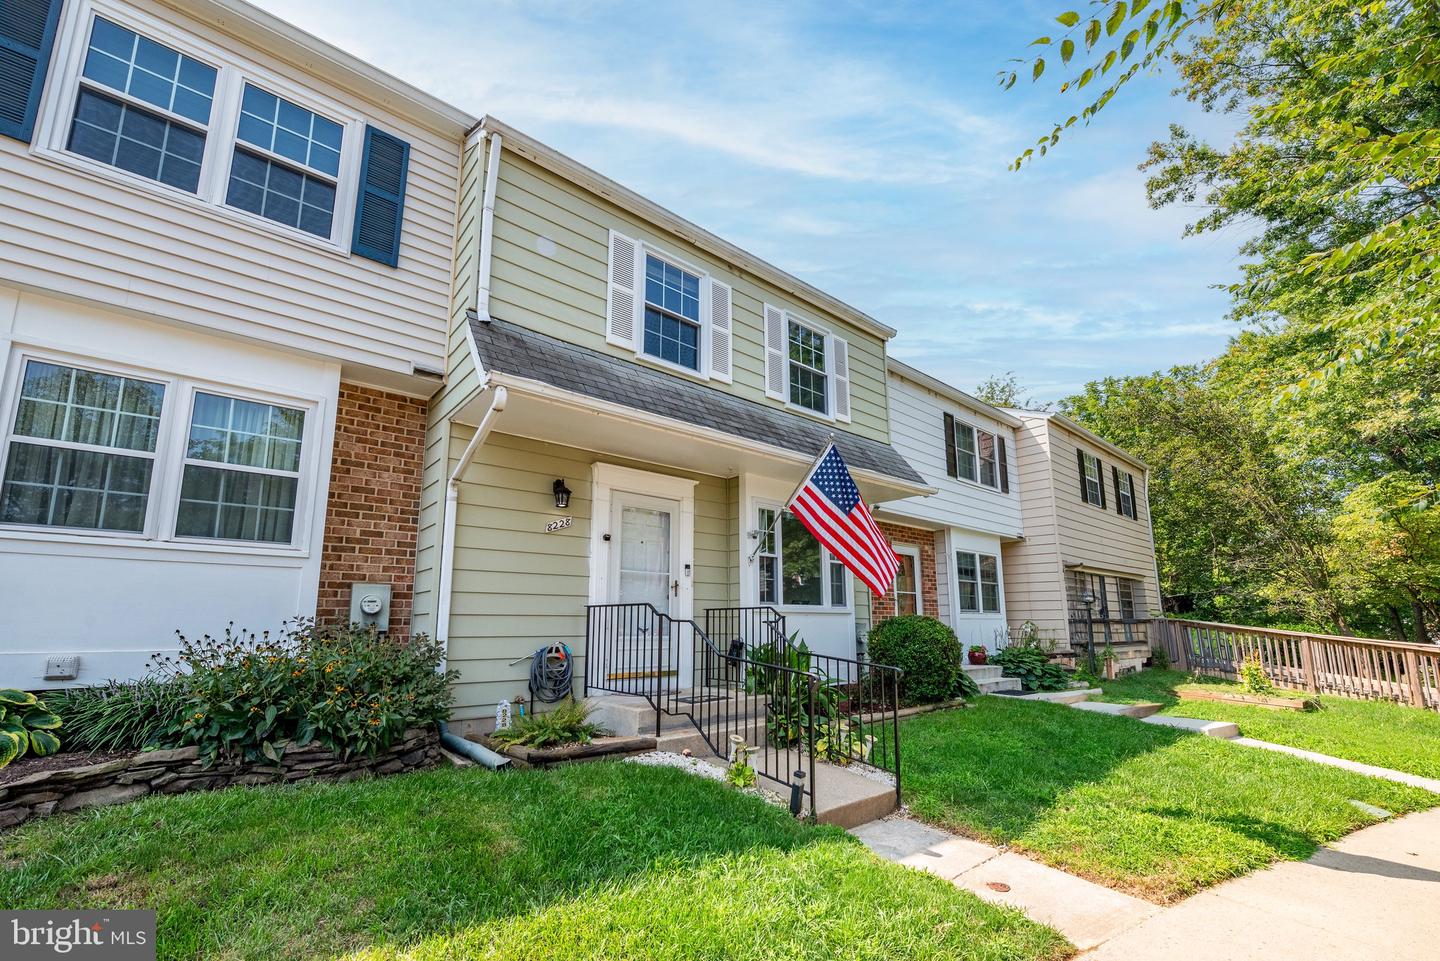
998,684
1119,710
983,672
1074,696
1220,729
844,796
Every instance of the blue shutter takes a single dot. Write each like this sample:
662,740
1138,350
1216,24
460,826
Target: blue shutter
380,206
27,34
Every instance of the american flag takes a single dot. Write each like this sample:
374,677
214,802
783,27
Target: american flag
828,504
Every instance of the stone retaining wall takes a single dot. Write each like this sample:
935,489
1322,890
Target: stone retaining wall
179,770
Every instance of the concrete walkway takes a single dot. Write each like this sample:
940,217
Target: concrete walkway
1414,780
1372,896
1086,913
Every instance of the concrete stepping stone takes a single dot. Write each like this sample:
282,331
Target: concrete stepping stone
1220,729
1119,710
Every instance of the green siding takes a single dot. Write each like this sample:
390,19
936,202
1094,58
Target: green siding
563,294
516,587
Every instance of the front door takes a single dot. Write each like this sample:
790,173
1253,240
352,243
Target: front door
644,547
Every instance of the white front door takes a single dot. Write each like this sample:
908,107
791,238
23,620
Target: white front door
645,548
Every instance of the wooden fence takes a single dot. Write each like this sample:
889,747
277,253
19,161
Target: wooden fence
1321,663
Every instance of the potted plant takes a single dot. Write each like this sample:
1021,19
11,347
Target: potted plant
978,654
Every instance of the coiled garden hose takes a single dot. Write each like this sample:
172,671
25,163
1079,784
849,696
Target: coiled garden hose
551,674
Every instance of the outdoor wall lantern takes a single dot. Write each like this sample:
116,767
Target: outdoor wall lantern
562,493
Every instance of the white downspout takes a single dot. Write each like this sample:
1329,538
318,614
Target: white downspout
497,402
487,231
452,509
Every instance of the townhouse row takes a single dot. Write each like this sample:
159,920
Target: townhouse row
283,335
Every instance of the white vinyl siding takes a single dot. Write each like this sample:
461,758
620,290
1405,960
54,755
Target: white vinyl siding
85,232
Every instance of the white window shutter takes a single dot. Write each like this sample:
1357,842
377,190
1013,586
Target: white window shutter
621,303
840,364
721,332
775,367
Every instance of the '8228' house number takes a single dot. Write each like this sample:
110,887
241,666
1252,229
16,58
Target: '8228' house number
559,524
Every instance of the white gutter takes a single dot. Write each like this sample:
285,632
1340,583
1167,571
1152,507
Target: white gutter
487,233
452,509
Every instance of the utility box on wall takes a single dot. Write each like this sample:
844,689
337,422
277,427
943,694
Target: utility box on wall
370,606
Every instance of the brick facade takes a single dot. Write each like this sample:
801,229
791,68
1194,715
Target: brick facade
374,509
883,607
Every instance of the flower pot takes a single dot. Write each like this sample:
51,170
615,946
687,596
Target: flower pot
978,657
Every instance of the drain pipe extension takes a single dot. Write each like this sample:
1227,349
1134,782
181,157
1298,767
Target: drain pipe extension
478,753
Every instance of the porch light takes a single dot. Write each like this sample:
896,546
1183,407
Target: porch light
562,493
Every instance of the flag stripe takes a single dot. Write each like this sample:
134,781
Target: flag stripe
830,506
840,541
860,548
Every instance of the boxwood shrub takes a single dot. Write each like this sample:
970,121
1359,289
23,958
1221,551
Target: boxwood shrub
929,654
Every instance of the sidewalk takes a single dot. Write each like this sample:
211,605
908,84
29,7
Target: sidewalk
1085,912
1371,896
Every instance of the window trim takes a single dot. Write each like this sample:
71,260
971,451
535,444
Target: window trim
913,552
826,561
702,344
1126,493
825,339
163,504
1094,499
980,609
57,109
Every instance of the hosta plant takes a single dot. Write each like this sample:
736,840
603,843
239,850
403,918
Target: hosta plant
26,725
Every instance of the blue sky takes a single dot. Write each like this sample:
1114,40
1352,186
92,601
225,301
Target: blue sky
860,146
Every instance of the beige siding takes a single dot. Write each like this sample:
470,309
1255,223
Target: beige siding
1034,575
1101,539
1062,530
917,423
516,587
94,236
561,290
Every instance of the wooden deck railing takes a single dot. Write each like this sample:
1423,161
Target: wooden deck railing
1321,663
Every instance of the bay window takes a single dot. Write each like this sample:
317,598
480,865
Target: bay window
86,451
793,569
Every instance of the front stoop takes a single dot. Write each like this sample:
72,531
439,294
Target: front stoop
844,797
991,678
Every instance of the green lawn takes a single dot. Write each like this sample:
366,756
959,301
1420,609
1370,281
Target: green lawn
596,860
1149,810
1372,732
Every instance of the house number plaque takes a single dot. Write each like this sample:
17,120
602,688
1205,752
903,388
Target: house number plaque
559,524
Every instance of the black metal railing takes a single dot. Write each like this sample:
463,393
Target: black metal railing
727,695
858,701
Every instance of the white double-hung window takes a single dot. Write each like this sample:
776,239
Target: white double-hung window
89,450
807,367
977,579
136,98
667,311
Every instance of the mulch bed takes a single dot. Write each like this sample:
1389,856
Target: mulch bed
30,764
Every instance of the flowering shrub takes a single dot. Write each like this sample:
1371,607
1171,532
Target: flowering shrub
350,689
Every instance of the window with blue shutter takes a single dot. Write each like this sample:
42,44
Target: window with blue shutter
380,204
27,33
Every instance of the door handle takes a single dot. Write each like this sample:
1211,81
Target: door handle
675,588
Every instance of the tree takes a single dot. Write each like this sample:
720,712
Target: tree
1337,161
1334,174
1006,391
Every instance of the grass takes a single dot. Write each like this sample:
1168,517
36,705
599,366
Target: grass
1373,732
1152,811
596,860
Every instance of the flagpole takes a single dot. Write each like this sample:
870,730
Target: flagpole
765,534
